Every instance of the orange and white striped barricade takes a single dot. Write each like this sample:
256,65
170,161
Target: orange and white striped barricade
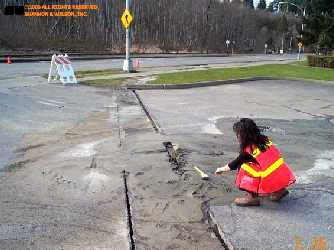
136,64
61,69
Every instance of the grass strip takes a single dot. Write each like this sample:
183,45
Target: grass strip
105,72
271,70
103,82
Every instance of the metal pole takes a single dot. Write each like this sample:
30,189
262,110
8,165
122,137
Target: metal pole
127,66
208,27
304,13
299,53
127,46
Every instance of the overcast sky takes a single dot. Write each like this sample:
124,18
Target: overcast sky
257,1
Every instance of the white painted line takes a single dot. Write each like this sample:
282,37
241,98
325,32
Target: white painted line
211,129
53,101
215,118
50,104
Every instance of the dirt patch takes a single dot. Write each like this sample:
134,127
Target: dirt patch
18,165
29,147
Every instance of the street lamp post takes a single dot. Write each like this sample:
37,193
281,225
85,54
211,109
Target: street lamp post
209,26
303,10
298,7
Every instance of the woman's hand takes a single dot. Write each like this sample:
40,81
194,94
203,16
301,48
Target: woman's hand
220,170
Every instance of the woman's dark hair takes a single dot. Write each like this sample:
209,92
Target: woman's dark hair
249,135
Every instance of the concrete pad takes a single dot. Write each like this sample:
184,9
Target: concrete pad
303,215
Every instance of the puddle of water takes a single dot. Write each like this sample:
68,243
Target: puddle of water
82,150
324,165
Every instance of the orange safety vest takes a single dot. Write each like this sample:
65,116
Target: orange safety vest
271,174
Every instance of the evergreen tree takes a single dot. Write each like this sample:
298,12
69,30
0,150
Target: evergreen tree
319,20
262,5
249,4
282,24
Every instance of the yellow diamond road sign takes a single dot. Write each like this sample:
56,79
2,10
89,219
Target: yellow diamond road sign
126,18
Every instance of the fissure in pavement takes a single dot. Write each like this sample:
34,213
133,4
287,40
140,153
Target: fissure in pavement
216,230
154,125
176,159
132,245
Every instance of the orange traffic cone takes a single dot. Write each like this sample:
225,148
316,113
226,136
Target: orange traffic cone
8,61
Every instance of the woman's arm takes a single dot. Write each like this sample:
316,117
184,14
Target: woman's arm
236,163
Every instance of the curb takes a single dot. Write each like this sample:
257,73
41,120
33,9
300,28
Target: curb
155,125
219,232
74,57
48,59
198,85
218,82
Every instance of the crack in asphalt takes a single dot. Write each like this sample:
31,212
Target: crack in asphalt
303,112
132,245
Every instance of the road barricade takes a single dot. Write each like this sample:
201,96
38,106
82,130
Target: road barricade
136,64
61,69
8,60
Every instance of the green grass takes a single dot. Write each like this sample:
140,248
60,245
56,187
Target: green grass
90,73
105,72
301,62
272,70
103,82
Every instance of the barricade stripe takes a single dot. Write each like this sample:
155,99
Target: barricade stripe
65,60
57,60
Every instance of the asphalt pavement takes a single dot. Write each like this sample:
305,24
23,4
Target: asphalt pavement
18,70
29,104
68,147
298,115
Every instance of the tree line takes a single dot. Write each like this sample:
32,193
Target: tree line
158,26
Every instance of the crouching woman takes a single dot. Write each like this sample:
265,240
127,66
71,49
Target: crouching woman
261,168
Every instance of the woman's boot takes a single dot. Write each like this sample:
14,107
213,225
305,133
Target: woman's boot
277,196
248,200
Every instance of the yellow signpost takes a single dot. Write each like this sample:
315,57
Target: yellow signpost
126,18
300,45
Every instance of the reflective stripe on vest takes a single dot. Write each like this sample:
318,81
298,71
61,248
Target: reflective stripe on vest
265,173
269,169
257,151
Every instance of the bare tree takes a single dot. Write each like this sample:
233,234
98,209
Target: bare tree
159,25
